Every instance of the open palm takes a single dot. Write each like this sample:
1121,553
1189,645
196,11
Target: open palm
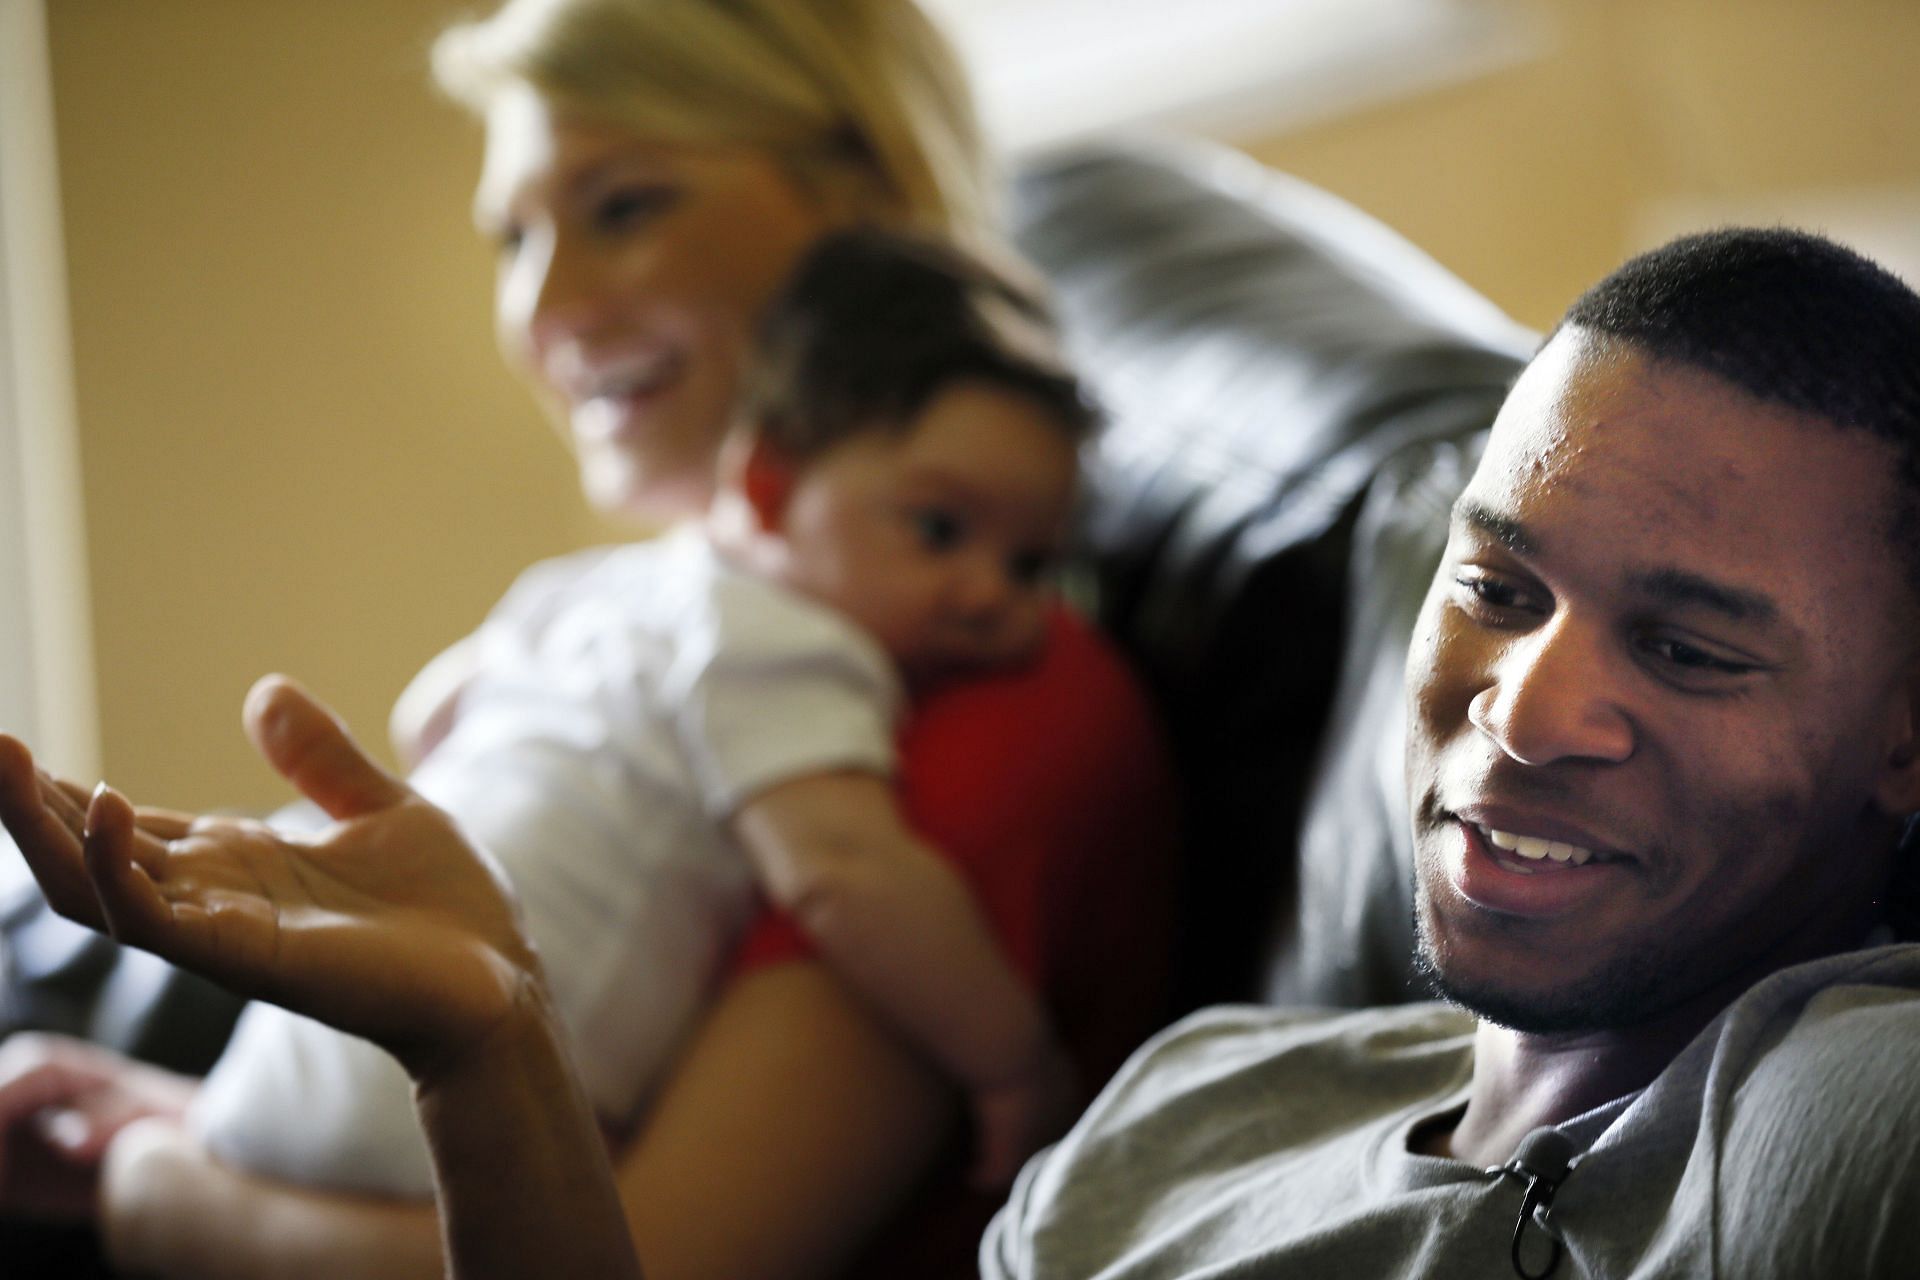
389,924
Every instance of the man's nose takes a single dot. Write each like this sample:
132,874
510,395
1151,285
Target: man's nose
1556,695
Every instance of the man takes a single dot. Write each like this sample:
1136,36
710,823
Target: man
1662,749
1662,709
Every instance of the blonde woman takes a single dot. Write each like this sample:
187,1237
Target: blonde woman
652,170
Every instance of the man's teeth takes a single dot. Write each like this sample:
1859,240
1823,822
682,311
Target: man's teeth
1535,849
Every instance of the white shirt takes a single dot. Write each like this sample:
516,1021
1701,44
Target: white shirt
628,701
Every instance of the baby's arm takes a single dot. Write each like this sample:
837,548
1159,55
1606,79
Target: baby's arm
899,924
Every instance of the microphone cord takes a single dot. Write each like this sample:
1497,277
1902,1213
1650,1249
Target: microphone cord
1542,1162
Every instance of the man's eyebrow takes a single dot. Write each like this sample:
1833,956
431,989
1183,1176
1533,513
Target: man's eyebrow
1670,587
1505,530
1677,587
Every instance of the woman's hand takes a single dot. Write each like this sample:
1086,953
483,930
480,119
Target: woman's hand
388,925
62,1101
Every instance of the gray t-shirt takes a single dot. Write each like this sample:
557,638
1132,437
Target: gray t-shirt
1783,1142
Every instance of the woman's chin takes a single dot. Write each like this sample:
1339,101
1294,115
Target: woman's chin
628,492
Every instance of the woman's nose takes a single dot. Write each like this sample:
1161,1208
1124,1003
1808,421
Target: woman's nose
551,292
1555,696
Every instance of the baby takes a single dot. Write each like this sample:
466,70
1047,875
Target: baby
656,740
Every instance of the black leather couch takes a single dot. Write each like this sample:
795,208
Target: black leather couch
1295,394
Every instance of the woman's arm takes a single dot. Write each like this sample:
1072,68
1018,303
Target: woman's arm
169,1209
794,1125
525,1189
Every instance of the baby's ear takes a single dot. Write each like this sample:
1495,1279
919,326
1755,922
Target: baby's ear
766,478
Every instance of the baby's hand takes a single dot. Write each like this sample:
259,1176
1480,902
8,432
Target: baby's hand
1014,1119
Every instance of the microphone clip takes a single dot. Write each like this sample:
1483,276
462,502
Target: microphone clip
1542,1163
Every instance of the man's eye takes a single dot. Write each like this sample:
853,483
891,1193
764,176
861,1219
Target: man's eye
1692,659
627,208
938,530
1488,594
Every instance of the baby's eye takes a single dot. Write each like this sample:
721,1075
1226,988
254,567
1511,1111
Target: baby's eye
938,529
1030,568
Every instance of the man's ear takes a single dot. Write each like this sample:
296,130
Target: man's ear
767,476
1899,791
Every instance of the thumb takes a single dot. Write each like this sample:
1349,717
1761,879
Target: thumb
310,748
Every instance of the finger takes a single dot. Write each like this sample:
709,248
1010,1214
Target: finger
73,793
33,1078
128,897
69,801
60,806
162,824
51,848
312,750
73,1133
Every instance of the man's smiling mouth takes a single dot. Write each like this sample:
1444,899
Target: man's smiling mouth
1535,849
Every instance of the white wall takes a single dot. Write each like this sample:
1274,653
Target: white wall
46,651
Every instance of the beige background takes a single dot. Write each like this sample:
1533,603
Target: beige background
298,449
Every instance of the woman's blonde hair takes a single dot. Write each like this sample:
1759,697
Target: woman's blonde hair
831,87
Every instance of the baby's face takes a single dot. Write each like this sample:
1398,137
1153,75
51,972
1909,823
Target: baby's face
939,540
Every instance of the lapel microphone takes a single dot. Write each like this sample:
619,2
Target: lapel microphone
1543,1161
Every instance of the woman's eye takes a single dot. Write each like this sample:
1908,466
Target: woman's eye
506,240
938,530
629,207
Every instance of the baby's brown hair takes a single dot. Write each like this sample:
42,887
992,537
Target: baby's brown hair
874,324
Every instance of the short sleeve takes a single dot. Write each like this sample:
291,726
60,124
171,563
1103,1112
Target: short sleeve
293,1100
767,687
542,590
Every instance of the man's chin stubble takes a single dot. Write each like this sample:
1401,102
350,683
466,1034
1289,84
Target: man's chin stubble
1622,994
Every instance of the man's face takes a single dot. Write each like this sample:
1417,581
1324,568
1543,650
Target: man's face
1657,693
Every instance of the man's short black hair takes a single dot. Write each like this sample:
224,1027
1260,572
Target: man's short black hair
874,324
1791,318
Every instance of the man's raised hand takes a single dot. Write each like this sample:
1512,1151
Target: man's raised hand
388,925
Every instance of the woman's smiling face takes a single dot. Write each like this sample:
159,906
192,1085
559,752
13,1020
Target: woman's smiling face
631,273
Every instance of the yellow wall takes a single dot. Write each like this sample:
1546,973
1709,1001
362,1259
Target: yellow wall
300,453
1534,181
299,450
